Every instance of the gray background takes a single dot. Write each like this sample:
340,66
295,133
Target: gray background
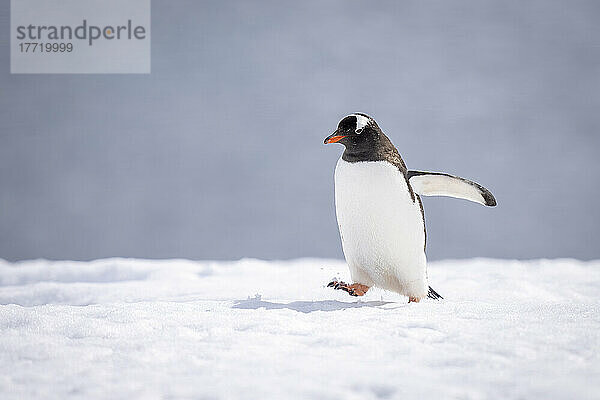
218,153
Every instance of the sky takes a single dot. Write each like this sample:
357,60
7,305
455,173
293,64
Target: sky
218,152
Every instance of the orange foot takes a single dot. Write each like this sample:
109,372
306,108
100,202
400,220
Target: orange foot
413,299
355,289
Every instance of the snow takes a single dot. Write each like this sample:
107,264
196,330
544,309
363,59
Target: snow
141,329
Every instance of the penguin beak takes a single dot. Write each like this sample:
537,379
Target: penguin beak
333,138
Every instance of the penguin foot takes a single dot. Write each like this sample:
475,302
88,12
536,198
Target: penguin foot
355,289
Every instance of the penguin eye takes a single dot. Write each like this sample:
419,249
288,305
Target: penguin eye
359,131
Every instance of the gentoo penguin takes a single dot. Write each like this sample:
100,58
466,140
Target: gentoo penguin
379,211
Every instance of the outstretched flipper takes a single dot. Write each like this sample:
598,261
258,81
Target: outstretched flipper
440,184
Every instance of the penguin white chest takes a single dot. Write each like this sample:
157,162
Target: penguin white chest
381,227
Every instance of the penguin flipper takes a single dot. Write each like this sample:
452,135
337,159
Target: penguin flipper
440,184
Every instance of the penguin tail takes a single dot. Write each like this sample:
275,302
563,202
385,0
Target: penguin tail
432,294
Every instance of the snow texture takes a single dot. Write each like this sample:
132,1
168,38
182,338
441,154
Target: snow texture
139,329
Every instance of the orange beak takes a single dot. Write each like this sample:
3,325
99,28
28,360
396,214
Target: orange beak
333,139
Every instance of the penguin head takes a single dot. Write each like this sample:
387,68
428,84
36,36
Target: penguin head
355,131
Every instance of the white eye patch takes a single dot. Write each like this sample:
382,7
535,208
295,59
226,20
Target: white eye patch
361,122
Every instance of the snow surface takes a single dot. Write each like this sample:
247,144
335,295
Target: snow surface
139,329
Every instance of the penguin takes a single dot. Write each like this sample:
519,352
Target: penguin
380,213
